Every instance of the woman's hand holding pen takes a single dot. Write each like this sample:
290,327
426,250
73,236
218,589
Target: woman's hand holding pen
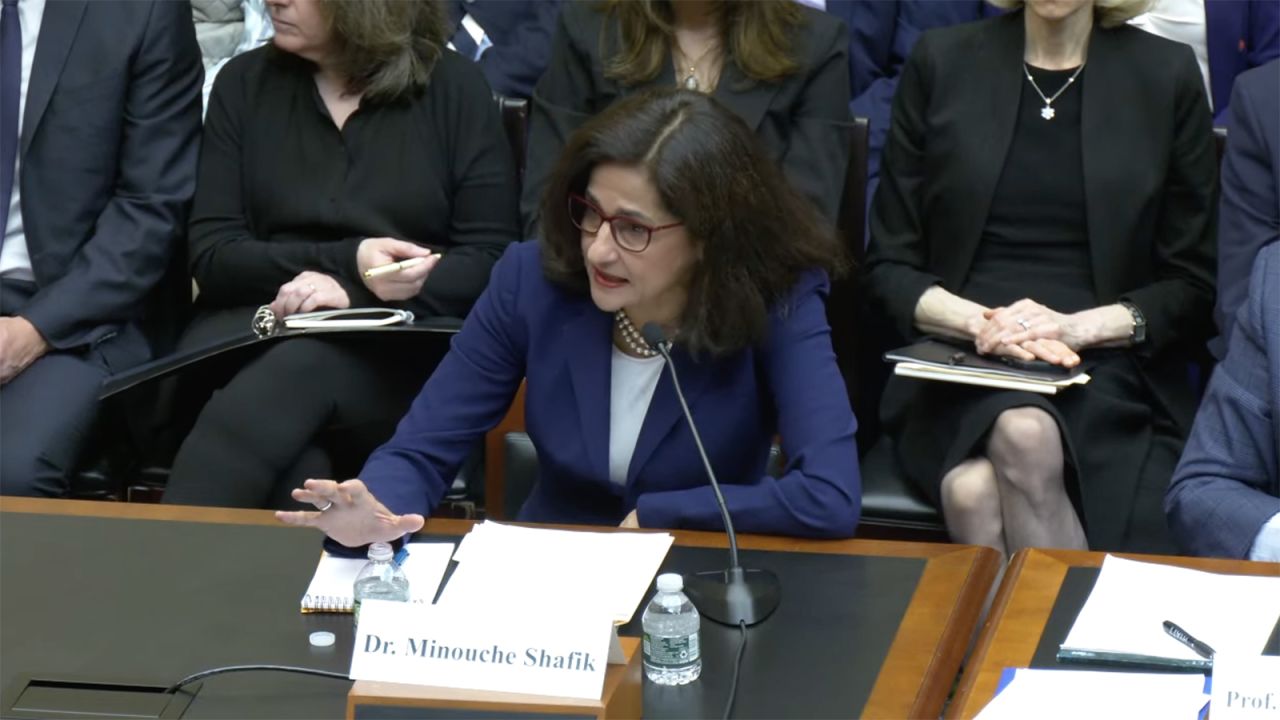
394,269
309,291
349,513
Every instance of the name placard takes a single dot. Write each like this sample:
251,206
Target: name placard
562,654
1245,687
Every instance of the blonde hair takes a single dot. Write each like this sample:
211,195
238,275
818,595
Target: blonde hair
1110,13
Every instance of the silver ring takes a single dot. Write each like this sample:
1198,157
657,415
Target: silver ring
311,287
1025,325
326,507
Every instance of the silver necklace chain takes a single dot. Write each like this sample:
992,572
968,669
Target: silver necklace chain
1047,112
634,341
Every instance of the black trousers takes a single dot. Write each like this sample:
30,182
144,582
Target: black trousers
306,407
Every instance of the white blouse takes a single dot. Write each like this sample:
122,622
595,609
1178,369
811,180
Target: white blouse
631,389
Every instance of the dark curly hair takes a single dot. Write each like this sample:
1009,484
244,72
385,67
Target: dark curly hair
756,233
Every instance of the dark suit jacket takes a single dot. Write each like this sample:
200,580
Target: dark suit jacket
802,121
524,326
108,165
520,31
1250,210
1227,484
1239,34
1149,174
881,35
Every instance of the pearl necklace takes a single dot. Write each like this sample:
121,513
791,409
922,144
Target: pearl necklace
690,79
631,337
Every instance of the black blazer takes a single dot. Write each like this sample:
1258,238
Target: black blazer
108,166
803,120
1150,177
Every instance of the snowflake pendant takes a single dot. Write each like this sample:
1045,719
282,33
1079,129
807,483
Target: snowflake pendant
1047,112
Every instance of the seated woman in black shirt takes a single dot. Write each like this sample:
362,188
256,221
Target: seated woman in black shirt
354,141
1047,193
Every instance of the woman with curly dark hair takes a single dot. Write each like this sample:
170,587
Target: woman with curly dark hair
780,66
662,211
354,141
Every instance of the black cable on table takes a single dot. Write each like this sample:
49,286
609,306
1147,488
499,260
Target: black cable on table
737,669
247,668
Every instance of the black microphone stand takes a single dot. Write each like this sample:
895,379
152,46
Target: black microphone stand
735,595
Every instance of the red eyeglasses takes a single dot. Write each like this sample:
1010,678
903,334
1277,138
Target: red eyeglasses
630,234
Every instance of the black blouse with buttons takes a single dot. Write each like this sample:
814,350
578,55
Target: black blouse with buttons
282,190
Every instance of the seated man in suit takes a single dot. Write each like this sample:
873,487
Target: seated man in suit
509,39
1225,496
1249,209
99,129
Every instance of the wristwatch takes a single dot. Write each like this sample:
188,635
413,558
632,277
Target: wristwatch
1139,334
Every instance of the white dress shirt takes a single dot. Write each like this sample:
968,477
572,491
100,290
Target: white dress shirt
15,261
630,392
1266,546
1182,21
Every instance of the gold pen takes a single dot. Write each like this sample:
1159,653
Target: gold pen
374,272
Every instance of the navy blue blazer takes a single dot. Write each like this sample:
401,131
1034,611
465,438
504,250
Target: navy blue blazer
1249,207
520,31
1227,485
523,326
1239,34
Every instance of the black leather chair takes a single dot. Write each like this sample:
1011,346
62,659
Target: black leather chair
515,121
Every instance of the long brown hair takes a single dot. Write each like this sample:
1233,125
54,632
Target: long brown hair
756,34
756,234
386,48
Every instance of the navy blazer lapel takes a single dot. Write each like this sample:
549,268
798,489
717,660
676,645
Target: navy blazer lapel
664,409
587,343
57,29
1000,78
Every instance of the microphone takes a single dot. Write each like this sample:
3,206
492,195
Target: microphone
736,595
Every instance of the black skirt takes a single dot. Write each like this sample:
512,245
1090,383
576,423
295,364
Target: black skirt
1120,445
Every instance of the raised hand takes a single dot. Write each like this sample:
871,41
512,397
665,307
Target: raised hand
349,513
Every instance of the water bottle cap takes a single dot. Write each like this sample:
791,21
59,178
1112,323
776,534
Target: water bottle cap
321,638
670,582
380,551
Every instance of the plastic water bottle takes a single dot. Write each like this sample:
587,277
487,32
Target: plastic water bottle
672,655
380,579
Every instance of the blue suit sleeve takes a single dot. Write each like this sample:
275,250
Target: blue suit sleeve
1248,217
820,493
466,396
1222,492
514,64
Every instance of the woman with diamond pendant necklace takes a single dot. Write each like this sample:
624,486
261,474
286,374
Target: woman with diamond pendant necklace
646,230
779,65
1046,195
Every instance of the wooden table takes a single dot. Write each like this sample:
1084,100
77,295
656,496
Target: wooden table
914,679
1026,597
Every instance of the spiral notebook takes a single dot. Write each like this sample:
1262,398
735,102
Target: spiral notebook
331,587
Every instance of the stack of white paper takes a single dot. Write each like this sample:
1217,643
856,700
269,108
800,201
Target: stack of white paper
1126,610
505,564
1084,694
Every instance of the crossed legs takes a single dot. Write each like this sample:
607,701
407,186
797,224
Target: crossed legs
1014,496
